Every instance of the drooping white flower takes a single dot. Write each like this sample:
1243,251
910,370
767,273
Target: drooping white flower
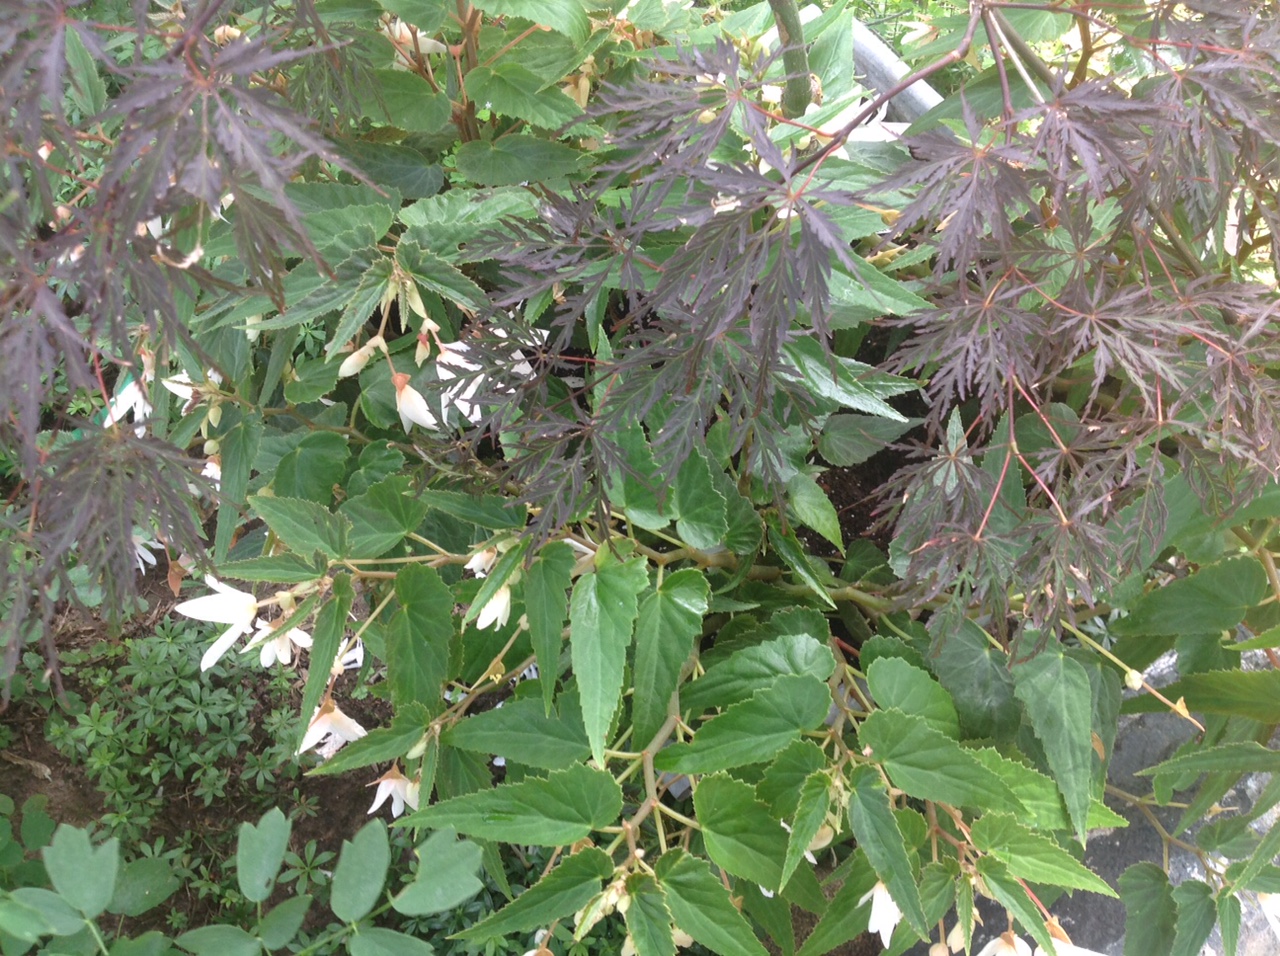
482,562
411,405
885,915
130,400
142,545
939,949
354,363
1006,944
213,471
330,728
399,788
497,610
225,606
274,644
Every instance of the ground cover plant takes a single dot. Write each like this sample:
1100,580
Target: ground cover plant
494,361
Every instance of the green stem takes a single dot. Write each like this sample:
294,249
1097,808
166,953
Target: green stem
797,94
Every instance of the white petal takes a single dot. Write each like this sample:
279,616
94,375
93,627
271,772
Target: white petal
318,730
384,790
235,607
221,646
344,726
497,610
413,409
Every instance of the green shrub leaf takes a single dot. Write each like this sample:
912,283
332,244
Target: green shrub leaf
259,853
85,875
361,872
446,876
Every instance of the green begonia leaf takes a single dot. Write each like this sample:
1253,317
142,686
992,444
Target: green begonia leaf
1033,856
813,508
700,510
874,825
602,614
930,766
740,834
279,927
418,637
516,159
560,893
220,940
303,526
1214,598
546,604
1057,695
648,919
508,88
1150,910
811,812
752,730
521,731
561,808
376,941
669,622
410,102
564,16
788,548
1197,914
896,683
753,668
702,908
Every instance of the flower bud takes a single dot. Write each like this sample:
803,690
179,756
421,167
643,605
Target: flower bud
1133,679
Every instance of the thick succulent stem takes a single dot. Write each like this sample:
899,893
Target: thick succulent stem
798,92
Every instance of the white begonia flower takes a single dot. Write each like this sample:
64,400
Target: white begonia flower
411,405
276,645
354,363
226,606
1006,944
497,610
482,562
956,938
142,546
399,788
1270,904
213,471
939,949
460,395
330,728
130,400
885,915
